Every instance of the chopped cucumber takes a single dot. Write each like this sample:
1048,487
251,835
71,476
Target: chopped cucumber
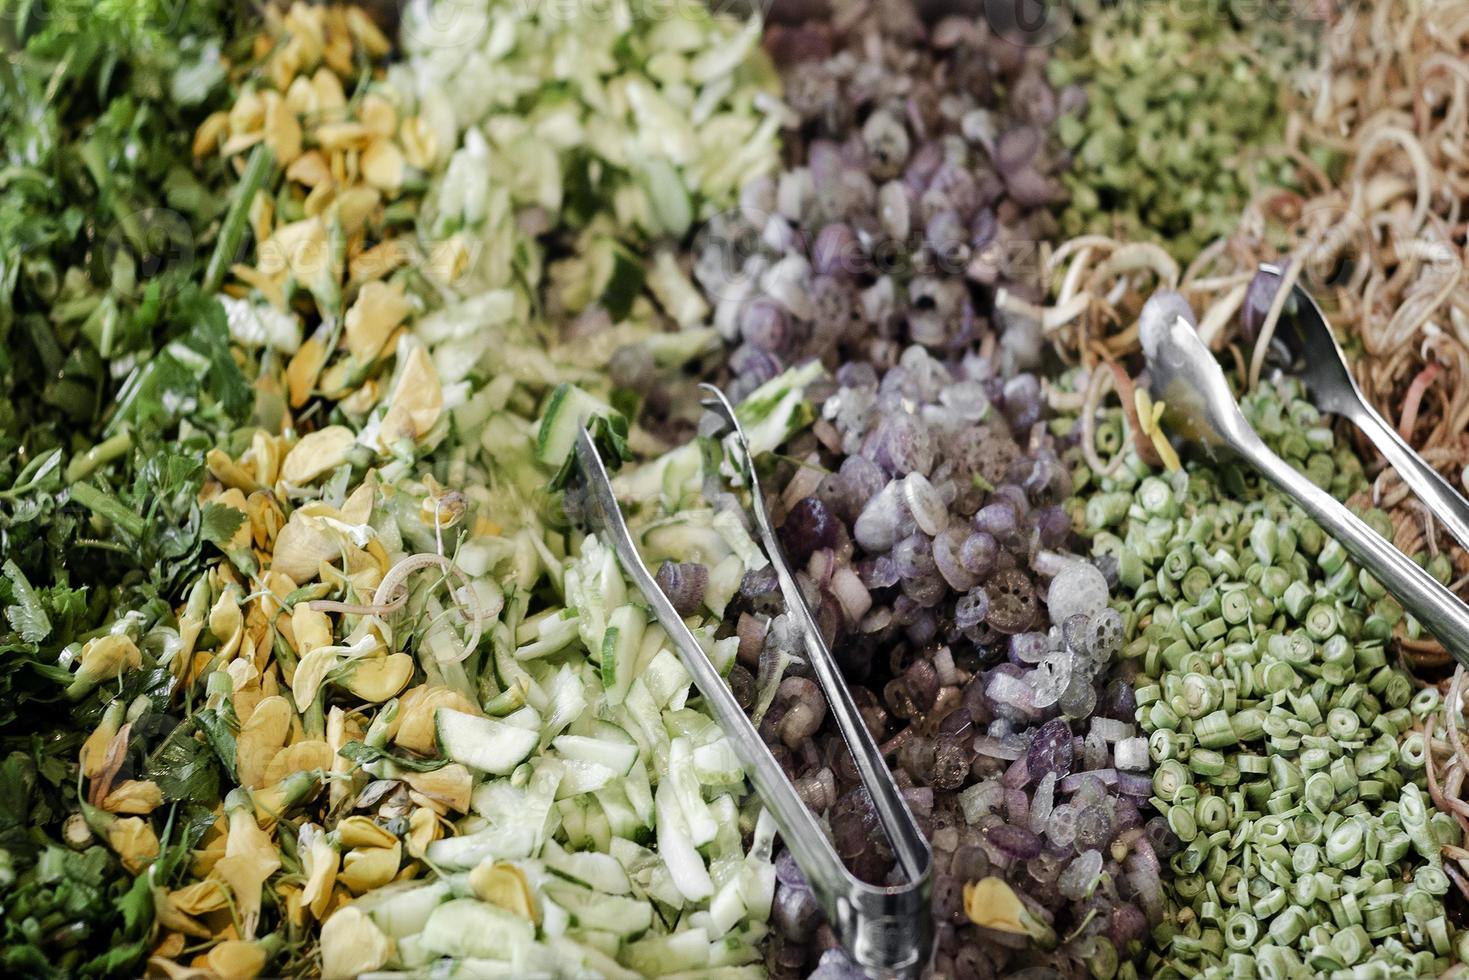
599,872
620,650
697,816
617,756
486,744
667,679
583,777
717,764
467,927
655,956
624,917
401,908
686,867
501,842
566,412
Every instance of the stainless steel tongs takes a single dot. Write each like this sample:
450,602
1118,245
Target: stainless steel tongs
887,930
1318,360
1200,407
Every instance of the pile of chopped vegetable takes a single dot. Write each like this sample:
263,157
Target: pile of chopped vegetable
1290,784
399,712
313,664
923,512
1182,118
117,374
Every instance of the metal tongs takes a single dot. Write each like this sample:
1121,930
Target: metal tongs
886,930
1201,408
1318,360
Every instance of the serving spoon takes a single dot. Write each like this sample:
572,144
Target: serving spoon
1318,360
1200,408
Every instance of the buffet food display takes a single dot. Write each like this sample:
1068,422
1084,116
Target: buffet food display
324,651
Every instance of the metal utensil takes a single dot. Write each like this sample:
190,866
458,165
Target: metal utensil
887,930
1199,406
1319,361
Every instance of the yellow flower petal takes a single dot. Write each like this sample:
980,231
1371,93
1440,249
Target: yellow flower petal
360,831
308,756
352,944
261,739
379,309
320,861
366,868
1143,402
201,897
234,959
317,453
443,789
134,796
134,842
416,401
282,129
502,883
991,903
376,679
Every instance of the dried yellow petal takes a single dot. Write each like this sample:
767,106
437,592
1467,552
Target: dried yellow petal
418,142
234,959
366,33
301,97
444,789
343,136
134,842
207,136
312,628
301,547
379,309
134,796
360,831
302,371
250,859
317,453
366,868
226,622
354,206
330,98
502,883
247,115
310,756
282,129
423,829
105,658
298,249
201,897
378,261
93,755
309,169
375,679
261,738
378,114
351,944
383,166
416,402
228,472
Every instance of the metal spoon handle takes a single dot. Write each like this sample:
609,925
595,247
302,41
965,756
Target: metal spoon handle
1445,616
1443,501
